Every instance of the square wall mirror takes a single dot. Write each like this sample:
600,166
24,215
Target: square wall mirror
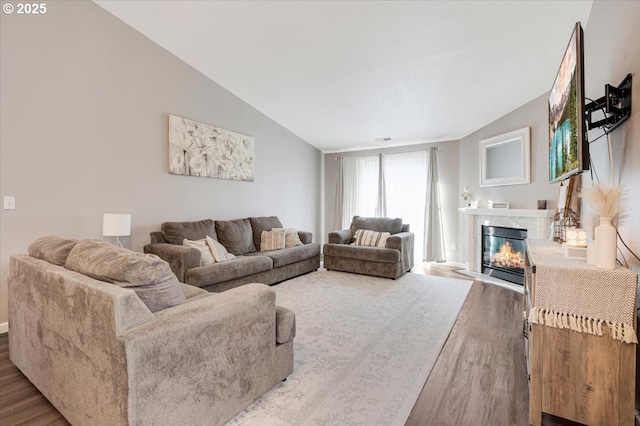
505,159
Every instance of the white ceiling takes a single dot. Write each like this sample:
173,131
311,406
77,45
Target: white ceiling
341,73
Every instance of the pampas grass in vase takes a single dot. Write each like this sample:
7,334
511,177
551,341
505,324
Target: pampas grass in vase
605,202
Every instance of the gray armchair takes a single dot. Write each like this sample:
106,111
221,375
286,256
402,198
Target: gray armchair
102,357
390,261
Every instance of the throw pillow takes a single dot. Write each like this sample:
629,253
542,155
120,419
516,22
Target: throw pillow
364,237
206,258
292,238
146,274
264,223
272,240
219,252
236,235
52,249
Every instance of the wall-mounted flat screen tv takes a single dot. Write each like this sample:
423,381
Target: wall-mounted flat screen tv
568,145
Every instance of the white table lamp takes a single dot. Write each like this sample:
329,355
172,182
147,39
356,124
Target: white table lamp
116,225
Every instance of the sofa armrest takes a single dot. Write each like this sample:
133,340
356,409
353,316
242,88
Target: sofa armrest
212,354
180,258
305,237
404,242
343,236
285,325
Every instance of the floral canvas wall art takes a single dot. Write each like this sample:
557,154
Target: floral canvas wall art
199,149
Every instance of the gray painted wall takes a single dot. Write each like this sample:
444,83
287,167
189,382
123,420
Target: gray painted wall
534,116
611,52
448,173
84,108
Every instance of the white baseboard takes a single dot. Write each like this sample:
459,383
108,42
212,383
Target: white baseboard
4,327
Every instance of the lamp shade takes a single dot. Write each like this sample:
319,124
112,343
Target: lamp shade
116,224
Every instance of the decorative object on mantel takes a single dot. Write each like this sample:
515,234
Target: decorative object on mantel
498,205
466,193
505,159
466,196
605,202
199,149
116,225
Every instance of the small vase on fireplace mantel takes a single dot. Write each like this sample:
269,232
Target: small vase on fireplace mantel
606,249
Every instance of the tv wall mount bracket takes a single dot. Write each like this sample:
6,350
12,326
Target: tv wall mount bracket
615,104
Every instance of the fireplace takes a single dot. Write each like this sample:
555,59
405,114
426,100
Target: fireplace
503,253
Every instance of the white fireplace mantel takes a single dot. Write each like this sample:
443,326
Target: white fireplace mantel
536,222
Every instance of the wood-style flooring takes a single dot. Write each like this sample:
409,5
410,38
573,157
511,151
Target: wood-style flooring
478,379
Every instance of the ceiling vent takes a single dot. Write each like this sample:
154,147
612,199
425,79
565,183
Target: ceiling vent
380,140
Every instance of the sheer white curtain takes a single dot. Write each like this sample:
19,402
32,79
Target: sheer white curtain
360,190
406,188
394,185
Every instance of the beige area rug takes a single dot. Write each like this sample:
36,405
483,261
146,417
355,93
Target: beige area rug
364,348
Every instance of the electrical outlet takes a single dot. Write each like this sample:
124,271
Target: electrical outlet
453,246
9,203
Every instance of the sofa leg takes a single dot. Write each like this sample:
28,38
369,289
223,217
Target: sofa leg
284,380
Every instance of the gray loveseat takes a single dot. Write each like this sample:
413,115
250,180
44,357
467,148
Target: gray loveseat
240,237
148,350
390,261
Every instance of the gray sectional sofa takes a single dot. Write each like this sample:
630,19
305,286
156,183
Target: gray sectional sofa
390,261
240,237
111,337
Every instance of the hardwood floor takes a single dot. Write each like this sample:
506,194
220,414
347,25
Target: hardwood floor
478,379
480,375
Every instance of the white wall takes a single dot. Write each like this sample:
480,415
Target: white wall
84,105
448,174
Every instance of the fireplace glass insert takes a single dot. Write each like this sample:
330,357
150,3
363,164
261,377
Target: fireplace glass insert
503,253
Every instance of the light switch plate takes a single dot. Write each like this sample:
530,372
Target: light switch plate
9,203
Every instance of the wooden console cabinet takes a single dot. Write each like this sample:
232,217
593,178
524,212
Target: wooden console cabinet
575,375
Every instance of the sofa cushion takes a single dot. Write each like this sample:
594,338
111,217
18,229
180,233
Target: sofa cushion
364,237
291,255
220,272
205,252
52,249
273,240
176,232
265,223
146,274
373,254
219,252
380,224
236,235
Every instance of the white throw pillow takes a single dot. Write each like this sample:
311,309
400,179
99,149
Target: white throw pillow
272,240
292,239
219,252
364,237
205,252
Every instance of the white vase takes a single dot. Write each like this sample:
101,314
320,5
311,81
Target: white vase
606,251
591,253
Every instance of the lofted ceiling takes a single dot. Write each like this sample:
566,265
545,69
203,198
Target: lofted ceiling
340,74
